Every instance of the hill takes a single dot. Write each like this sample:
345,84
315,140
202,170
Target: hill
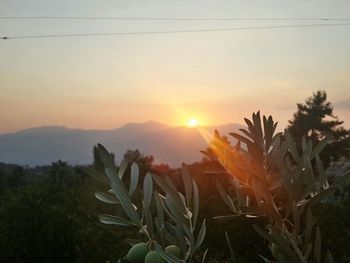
43,145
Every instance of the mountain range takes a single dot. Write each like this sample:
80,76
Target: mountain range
167,144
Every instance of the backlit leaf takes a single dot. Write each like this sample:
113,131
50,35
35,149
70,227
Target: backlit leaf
147,189
134,178
115,220
106,198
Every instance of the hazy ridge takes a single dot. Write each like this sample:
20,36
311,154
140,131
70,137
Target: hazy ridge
44,145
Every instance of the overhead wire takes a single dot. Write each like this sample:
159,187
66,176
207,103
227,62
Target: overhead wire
171,31
174,18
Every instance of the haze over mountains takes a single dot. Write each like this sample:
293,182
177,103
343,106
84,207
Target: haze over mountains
44,145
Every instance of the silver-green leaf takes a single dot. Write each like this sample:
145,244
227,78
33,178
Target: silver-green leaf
147,189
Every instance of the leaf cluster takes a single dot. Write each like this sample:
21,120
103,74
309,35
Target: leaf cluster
271,178
164,217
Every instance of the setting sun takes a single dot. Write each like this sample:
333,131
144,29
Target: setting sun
192,122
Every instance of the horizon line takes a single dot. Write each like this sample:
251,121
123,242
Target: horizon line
115,128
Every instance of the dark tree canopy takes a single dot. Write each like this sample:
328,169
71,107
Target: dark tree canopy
315,120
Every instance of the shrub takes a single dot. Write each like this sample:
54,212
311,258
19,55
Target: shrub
164,218
270,178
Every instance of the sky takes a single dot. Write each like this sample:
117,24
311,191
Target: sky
217,77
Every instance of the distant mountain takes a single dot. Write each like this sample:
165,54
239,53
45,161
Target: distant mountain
44,145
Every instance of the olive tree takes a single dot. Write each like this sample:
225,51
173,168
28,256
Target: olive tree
167,219
270,178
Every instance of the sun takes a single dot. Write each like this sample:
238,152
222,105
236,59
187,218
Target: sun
192,122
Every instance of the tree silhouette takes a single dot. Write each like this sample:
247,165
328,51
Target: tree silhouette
2,181
145,162
315,120
16,177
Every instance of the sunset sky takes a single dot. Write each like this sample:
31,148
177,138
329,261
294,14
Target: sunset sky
217,77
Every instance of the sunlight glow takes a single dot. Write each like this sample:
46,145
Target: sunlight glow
192,122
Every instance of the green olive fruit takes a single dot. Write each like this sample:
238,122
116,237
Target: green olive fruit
174,250
137,253
153,257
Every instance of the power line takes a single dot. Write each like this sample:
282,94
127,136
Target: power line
172,18
172,31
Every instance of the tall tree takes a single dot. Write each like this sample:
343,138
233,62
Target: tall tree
314,119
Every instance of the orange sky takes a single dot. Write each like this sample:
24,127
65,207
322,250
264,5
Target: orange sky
217,77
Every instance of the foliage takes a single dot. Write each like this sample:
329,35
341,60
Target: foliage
163,219
11,176
315,120
270,178
246,243
270,182
51,221
97,164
